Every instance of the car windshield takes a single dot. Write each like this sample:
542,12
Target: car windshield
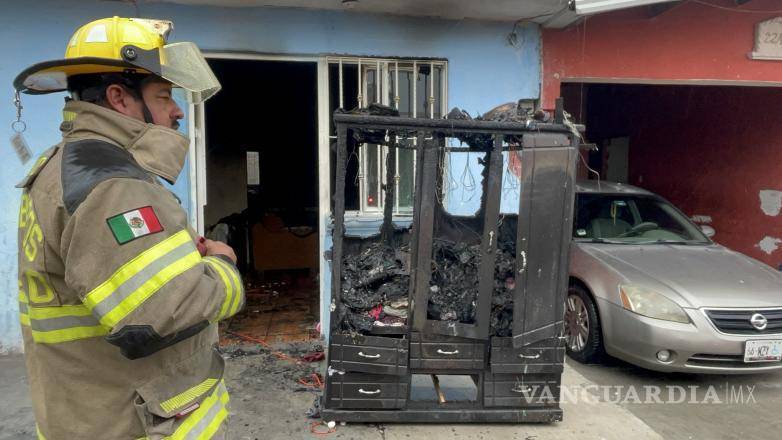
632,219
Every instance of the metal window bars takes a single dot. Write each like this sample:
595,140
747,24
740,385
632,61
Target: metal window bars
381,72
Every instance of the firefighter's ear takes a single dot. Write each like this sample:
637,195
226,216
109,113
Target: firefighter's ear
120,99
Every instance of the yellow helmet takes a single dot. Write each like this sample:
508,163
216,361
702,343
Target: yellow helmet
130,45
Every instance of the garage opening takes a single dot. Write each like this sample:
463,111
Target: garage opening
714,151
262,192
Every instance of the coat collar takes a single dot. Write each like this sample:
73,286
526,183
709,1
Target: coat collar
157,149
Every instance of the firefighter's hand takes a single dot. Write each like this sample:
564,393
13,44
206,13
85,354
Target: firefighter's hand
219,248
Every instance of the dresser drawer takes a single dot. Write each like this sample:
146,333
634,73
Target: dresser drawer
446,352
544,357
521,390
366,391
369,354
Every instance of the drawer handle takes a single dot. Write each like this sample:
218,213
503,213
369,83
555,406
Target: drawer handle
368,356
362,391
529,356
448,353
521,389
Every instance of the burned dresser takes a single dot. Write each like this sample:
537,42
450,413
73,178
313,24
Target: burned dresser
446,317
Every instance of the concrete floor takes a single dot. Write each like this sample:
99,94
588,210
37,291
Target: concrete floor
755,415
16,417
268,404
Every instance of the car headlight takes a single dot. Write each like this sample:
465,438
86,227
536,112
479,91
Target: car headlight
652,304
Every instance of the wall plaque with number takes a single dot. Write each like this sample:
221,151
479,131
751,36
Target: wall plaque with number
768,40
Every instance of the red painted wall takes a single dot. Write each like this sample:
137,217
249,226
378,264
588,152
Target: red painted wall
690,41
710,151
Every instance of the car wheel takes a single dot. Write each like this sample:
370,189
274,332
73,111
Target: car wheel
582,327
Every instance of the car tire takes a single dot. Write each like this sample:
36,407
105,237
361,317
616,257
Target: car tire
589,347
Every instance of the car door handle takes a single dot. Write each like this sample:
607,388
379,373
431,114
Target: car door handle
529,356
362,391
368,356
447,353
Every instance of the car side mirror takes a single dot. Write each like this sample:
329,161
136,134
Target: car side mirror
708,230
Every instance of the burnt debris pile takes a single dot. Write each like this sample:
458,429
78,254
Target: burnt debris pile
453,289
504,285
376,281
376,290
509,112
375,285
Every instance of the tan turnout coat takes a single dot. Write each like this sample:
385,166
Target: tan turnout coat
119,310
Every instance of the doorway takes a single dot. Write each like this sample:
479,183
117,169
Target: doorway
261,184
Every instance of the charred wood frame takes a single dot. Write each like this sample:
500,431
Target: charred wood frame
369,372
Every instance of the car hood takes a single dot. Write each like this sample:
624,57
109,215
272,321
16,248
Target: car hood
702,276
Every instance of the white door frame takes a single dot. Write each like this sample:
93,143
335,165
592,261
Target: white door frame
197,170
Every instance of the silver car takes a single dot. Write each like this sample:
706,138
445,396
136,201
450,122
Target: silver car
649,287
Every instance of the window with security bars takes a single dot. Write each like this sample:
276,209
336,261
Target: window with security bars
417,89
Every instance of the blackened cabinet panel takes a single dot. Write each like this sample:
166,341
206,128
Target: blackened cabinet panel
368,354
428,352
545,356
543,237
521,390
366,391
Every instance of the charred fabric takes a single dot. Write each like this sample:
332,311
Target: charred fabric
376,279
376,284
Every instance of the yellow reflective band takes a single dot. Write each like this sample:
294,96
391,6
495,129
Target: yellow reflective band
214,425
188,396
206,420
38,431
40,161
58,311
135,266
141,277
52,325
68,334
228,288
68,116
151,286
230,270
24,316
234,273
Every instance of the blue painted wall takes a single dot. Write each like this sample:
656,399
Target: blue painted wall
483,72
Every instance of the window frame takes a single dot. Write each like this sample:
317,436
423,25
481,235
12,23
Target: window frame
387,67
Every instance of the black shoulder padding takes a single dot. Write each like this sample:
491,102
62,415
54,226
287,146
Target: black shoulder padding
88,162
138,341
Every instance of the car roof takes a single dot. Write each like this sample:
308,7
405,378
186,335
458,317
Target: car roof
604,187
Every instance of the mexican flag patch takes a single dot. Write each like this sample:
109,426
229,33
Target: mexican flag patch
131,225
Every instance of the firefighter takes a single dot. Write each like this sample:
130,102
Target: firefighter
119,308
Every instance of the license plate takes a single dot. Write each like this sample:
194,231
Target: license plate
763,351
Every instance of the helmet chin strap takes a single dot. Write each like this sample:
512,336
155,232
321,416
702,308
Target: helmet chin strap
144,109
147,114
136,88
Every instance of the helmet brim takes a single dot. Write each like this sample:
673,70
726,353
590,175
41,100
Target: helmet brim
52,76
181,63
